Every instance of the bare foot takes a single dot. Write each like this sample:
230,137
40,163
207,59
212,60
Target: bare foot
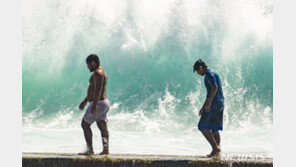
209,155
104,152
215,153
87,152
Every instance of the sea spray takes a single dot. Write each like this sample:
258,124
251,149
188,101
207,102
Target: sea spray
148,49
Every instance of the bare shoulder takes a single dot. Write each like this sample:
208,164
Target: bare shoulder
100,72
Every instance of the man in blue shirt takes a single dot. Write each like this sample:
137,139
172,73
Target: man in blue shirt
211,113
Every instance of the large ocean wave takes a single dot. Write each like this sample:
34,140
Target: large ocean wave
148,49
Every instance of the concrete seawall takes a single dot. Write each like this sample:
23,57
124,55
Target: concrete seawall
131,160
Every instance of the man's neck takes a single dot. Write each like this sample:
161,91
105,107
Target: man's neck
206,70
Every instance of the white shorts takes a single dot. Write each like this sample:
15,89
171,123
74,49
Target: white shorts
102,109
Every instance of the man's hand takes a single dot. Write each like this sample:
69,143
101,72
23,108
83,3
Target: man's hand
207,106
82,105
94,109
200,112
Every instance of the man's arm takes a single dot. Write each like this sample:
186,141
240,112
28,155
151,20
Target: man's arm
98,87
214,87
85,100
213,92
203,106
82,104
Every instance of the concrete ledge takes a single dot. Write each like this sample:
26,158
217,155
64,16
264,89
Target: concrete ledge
126,160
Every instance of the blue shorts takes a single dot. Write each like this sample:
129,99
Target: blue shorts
102,109
212,120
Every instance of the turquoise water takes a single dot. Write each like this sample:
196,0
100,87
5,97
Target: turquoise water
148,49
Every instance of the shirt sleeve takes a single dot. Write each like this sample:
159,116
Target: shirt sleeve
212,79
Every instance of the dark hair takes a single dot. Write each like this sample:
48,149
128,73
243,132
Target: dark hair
93,57
199,63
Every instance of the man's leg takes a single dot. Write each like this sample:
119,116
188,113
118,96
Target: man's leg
217,137
210,138
102,125
87,135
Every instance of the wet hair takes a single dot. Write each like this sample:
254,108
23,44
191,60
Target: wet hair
199,63
93,57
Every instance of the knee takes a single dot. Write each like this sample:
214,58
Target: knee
206,132
215,132
103,127
203,131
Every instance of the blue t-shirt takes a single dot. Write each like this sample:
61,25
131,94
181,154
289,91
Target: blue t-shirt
212,78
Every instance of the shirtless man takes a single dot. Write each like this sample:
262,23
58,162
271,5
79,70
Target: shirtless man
211,113
99,105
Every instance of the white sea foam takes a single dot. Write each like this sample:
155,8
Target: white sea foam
230,32
159,132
